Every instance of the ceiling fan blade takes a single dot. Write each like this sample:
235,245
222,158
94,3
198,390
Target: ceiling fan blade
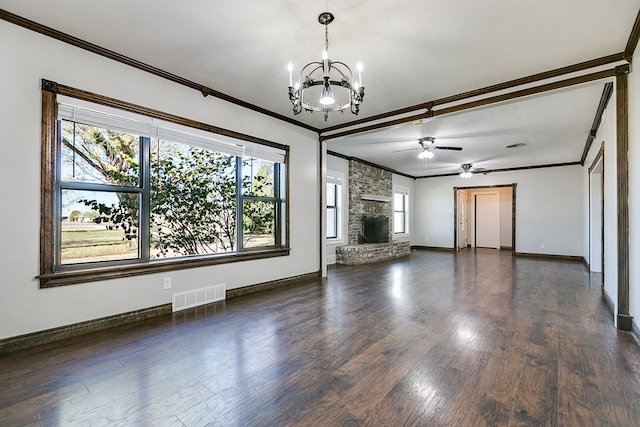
479,170
448,148
406,149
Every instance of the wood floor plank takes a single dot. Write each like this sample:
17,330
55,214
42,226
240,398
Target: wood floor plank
477,338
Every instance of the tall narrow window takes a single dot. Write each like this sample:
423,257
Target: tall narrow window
332,211
334,205
400,211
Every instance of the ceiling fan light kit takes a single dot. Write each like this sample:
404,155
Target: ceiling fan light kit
326,73
466,171
426,154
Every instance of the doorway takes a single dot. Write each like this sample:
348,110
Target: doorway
485,217
596,214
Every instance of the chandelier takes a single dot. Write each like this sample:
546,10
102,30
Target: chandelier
327,74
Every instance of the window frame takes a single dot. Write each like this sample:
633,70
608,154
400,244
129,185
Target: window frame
405,212
333,205
51,274
338,180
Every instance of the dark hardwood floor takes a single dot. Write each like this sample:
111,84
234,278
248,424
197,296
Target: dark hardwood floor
434,339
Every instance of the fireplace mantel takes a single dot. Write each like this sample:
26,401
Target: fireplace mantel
375,198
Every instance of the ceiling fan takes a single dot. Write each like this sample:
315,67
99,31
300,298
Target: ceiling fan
468,170
427,147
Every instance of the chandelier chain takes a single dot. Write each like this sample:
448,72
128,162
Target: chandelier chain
326,37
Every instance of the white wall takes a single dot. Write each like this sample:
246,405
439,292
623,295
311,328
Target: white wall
28,57
549,209
340,165
634,191
607,135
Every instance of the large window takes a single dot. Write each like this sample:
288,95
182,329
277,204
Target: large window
132,193
400,211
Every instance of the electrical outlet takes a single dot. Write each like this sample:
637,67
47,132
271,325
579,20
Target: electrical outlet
166,283
541,245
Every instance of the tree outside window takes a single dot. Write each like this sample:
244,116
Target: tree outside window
124,196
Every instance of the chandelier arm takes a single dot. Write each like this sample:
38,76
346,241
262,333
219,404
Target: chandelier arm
318,65
334,63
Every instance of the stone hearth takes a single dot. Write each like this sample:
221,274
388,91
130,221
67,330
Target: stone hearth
371,252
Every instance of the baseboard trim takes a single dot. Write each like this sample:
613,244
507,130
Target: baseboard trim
21,342
625,322
635,331
608,301
574,258
431,248
265,286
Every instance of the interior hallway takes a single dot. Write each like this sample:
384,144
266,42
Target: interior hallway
477,338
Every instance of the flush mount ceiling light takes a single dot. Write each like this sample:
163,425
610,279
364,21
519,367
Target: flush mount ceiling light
328,75
466,171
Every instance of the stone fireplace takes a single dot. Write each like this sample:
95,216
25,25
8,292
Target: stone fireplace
370,212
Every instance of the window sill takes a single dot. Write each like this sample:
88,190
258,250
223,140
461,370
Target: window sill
335,242
403,236
63,278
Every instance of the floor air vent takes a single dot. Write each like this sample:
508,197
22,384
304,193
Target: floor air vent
196,297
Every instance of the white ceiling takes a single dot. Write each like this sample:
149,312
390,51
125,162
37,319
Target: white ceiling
413,51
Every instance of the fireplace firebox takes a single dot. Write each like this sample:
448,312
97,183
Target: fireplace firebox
374,230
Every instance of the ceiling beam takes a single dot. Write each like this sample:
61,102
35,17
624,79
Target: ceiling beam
582,66
528,92
517,168
479,103
633,40
604,100
384,168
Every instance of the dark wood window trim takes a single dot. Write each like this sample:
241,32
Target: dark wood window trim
404,211
332,205
49,276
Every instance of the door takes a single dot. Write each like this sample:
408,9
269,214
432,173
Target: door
487,220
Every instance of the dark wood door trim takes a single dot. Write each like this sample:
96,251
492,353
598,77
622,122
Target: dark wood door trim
598,159
484,187
622,163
